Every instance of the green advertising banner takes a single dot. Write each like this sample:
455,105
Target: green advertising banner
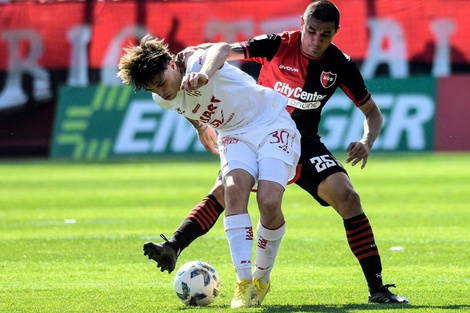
408,107
105,122
102,122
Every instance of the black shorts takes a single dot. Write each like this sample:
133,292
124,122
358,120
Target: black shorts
316,163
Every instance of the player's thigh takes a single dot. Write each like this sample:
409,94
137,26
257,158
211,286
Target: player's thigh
237,154
317,163
335,188
338,191
273,176
218,190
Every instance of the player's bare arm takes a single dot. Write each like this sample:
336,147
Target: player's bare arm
359,151
216,56
197,124
207,135
236,52
208,138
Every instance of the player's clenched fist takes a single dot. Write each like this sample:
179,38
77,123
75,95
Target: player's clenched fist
194,80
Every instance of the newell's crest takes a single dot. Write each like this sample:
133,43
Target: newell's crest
327,79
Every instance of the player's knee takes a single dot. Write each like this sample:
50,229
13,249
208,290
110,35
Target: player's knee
352,198
350,204
219,194
269,205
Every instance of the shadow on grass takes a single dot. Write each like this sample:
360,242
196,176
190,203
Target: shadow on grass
347,308
355,307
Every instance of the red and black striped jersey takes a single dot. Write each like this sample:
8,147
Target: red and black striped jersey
308,82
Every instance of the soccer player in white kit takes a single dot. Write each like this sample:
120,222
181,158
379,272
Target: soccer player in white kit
258,142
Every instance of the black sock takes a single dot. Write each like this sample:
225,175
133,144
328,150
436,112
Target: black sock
362,243
197,223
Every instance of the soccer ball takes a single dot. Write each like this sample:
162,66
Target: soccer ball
197,283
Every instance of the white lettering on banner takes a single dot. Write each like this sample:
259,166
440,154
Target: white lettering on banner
230,30
109,67
442,29
335,126
79,38
394,54
137,121
405,116
175,135
13,94
148,128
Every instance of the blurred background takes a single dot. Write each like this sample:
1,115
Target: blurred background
60,97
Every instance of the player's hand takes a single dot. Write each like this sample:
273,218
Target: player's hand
193,81
357,152
208,138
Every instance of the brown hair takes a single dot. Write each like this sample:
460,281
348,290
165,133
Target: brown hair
144,64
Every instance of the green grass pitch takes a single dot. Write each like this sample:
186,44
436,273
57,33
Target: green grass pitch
71,237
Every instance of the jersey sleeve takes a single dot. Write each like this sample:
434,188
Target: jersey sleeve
195,61
353,84
261,48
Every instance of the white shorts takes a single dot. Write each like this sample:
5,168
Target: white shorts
271,152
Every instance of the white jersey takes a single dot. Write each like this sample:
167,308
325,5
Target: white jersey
231,102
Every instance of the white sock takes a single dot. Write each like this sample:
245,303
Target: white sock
266,250
239,230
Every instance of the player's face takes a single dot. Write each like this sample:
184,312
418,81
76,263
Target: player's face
168,87
316,36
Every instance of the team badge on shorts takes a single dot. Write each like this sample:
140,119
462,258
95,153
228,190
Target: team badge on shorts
327,79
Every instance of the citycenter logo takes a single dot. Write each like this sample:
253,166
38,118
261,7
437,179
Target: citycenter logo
297,93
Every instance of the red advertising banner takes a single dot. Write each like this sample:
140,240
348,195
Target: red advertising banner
48,43
453,114
113,23
418,29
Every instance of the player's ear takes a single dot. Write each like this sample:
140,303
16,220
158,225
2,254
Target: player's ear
172,65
